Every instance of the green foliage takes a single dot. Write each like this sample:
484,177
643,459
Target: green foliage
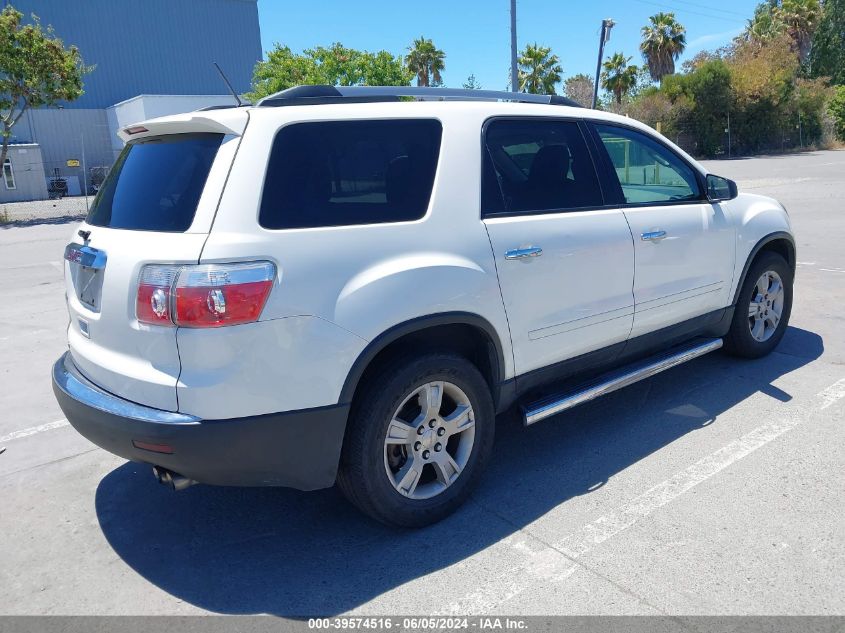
35,70
426,61
664,39
709,90
756,87
335,65
836,109
617,76
539,70
471,83
797,19
827,57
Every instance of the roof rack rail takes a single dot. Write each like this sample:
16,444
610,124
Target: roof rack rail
314,95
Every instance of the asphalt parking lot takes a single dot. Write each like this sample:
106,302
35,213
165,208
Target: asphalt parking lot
715,488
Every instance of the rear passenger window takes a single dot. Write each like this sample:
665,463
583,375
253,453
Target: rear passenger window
535,166
339,173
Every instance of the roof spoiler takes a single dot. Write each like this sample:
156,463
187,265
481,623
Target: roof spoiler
224,121
315,95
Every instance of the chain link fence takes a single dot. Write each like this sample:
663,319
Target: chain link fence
725,138
47,193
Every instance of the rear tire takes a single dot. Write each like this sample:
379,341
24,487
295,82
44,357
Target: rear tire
762,309
418,438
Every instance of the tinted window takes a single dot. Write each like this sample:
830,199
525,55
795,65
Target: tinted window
350,172
156,183
537,165
647,171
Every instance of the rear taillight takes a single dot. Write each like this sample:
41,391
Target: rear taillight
154,294
205,295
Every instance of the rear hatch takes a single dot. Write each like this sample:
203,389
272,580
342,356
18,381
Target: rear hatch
156,206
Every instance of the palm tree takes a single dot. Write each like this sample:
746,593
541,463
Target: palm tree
539,70
800,18
618,77
426,61
663,42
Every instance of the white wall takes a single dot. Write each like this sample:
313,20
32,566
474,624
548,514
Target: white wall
30,183
144,107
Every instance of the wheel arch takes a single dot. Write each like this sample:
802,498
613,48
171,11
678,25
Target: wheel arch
779,242
464,332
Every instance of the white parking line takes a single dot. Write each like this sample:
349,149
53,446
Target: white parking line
54,263
16,435
558,560
832,394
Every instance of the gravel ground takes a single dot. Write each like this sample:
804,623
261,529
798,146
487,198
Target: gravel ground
44,211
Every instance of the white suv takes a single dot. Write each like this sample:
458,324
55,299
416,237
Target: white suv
348,284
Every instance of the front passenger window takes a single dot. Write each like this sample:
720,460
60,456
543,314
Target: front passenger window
647,171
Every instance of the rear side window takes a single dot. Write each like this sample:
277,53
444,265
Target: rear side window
338,173
537,165
156,183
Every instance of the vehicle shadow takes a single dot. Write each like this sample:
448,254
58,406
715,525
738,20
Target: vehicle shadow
288,553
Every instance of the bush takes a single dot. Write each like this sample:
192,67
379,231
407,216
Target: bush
836,109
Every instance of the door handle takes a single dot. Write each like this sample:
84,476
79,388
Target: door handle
522,253
653,236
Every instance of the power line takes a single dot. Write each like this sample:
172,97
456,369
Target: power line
708,8
690,11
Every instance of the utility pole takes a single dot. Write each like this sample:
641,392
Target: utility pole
606,25
514,67
728,130
800,130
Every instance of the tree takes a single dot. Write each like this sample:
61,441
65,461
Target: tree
335,65
539,70
798,19
471,83
663,42
827,55
35,70
384,69
426,61
618,77
579,88
836,108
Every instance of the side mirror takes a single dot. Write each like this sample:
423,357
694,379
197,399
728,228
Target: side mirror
719,188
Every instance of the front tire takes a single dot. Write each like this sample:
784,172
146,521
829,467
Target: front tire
763,308
419,436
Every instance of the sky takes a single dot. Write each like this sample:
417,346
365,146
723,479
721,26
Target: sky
475,34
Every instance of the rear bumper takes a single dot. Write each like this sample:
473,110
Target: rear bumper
297,449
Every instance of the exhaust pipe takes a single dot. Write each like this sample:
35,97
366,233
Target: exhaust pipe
172,480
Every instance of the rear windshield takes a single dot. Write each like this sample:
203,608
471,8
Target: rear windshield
337,173
156,183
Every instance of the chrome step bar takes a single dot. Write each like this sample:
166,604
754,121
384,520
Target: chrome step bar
542,409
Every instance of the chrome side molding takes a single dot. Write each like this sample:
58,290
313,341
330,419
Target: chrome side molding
548,407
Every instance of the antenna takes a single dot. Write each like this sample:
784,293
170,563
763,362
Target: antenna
228,85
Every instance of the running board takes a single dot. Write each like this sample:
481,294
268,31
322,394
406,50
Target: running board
542,409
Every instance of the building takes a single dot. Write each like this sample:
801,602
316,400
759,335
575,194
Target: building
150,58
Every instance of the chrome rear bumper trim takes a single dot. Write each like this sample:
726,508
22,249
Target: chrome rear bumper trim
67,377
543,409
